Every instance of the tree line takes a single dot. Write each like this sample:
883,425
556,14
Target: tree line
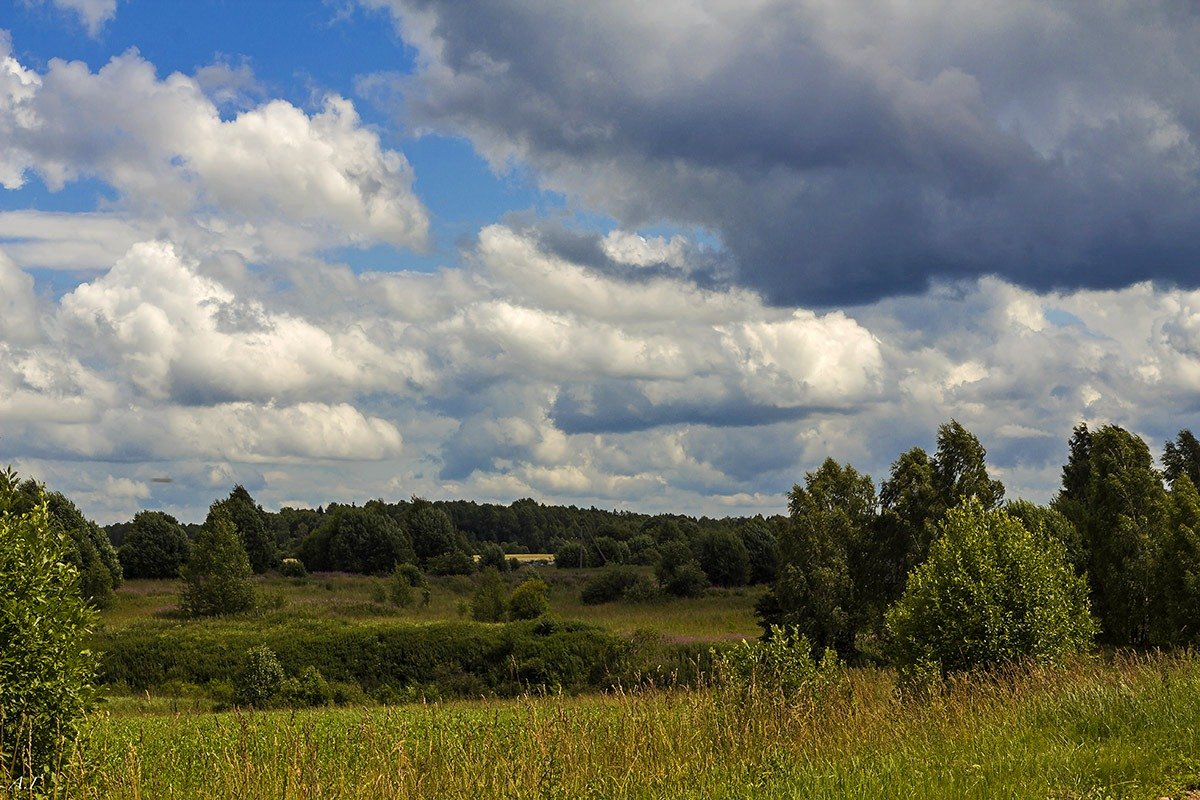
936,548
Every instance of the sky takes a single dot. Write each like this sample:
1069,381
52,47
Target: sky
657,256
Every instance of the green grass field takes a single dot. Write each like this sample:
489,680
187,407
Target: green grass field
1129,729
720,615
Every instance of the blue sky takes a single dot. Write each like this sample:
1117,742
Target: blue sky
661,256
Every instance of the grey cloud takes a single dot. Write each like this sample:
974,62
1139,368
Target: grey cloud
845,152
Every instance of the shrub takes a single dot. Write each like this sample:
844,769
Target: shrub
404,579
492,555
782,663
217,575
529,600
292,568
990,593
456,562
489,603
45,668
260,678
309,689
608,585
687,580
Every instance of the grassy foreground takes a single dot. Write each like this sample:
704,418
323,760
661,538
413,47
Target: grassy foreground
1130,728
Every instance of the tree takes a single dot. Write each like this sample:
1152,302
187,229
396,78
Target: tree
258,681
909,504
217,574
490,602
531,599
492,555
354,539
432,531
1177,616
762,548
46,670
1051,522
960,469
1182,457
90,551
723,557
821,554
991,593
250,522
155,546
678,572
1115,497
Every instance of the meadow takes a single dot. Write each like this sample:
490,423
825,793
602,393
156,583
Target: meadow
1124,727
1113,726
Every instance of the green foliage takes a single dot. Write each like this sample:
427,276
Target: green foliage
960,469
1177,617
1182,457
404,579
446,659
490,601
821,551
1053,524
678,572
1115,497
909,505
991,593
360,540
90,551
573,555
250,522
529,600
492,555
723,557
46,669
259,679
614,583
155,546
292,568
762,549
780,664
432,531
309,689
456,562
217,574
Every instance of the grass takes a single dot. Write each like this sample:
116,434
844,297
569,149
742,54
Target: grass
1129,728
721,614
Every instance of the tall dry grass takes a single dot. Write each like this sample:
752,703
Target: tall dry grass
1126,727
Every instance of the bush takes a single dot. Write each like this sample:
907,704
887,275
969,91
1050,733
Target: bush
260,678
307,690
404,579
492,555
217,575
489,603
611,584
990,593
45,668
687,580
782,664
529,600
292,568
456,562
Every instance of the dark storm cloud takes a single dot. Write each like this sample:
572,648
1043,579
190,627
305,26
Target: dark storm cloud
845,152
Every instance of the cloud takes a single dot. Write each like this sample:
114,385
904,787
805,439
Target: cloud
273,179
843,152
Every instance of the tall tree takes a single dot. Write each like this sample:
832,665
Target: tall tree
1115,497
821,556
960,469
1182,457
1177,616
250,522
909,504
217,574
155,547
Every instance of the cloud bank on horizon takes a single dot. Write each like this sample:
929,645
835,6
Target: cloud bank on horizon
791,230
